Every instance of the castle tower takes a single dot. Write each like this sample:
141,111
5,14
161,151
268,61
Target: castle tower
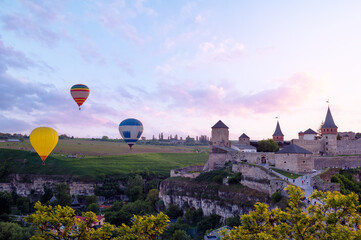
220,135
244,139
329,134
278,135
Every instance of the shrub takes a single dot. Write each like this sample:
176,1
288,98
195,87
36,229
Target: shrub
218,179
276,197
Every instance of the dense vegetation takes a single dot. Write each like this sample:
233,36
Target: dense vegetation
347,181
268,145
334,216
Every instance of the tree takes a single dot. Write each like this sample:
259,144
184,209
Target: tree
180,235
135,188
48,193
152,196
268,145
233,221
125,213
174,211
332,216
13,231
59,223
91,199
104,138
210,222
173,227
5,202
319,131
93,207
23,204
193,215
62,191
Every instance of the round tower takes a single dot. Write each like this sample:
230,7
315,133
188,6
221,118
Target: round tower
329,134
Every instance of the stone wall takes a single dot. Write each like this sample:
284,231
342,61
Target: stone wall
314,146
323,182
24,185
189,172
348,147
296,163
252,157
259,178
327,175
215,161
337,162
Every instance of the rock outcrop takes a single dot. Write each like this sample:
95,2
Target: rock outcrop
212,198
24,185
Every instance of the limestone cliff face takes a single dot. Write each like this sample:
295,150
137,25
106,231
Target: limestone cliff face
225,201
24,185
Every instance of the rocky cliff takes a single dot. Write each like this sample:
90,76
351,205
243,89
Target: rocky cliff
25,185
212,198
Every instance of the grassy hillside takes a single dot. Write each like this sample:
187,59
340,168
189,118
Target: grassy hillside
18,161
100,148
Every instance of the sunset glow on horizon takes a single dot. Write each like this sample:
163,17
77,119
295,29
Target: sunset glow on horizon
180,66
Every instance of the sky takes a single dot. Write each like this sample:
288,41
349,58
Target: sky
180,66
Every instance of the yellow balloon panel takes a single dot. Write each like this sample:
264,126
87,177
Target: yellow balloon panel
43,140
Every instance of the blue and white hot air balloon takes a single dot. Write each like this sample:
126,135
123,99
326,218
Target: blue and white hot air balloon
131,129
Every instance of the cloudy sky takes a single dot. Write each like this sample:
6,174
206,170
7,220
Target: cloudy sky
180,66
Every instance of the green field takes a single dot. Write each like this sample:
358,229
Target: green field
93,167
100,148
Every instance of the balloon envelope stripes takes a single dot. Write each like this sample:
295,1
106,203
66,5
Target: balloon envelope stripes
80,93
131,129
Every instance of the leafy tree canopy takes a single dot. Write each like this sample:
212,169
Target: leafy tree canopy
59,223
333,216
268,145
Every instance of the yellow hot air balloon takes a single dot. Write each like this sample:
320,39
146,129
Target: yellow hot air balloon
43,140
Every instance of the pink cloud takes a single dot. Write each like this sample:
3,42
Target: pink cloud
224,51
35,21
224,99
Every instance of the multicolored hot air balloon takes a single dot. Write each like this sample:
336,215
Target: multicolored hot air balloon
80,93
43,140
131,129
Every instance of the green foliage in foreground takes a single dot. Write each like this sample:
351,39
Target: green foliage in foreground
24,162
59,223
334,216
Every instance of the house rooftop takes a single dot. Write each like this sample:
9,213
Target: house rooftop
293,149
243,136
309,131
219,124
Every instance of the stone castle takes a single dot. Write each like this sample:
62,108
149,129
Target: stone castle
301,155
